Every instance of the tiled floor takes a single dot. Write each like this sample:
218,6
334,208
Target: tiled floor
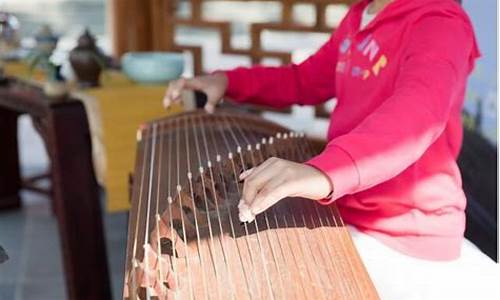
34,269
30,237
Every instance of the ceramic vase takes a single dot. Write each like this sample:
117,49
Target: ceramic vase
86,61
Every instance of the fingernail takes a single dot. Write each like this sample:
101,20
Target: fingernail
243,211
245,214
242,218
251,218
245,173
209,108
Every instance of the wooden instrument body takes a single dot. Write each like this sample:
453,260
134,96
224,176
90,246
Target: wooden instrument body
185,196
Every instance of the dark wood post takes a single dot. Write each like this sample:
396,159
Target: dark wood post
130,24
10,178
76,196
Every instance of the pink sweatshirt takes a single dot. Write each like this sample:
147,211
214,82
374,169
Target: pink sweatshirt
396,131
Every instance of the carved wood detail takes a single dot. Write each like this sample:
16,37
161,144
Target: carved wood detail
163,23
132,20
255,52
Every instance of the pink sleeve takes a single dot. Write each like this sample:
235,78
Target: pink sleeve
394,136
311,82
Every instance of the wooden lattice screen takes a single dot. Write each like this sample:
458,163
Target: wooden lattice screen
150,25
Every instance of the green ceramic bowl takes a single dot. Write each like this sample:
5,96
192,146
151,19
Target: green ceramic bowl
152,67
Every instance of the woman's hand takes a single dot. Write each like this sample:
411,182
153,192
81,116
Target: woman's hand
276,179
214,86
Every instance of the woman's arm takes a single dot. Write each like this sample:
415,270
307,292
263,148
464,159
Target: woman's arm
308,83
438,59
390,139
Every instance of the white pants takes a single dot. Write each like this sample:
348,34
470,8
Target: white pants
401,277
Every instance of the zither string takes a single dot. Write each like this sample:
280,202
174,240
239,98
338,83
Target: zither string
295,225
139,205
277,223
231,216
245,225
335,237
252,135
209,223
181,212
214,195
301,153
261,252
272,208
227,205
148,208
173,258
336,221
301,243
239,135
157,211
198,243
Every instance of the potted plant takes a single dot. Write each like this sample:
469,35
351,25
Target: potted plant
55,86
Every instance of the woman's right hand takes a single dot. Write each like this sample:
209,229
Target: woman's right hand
213,85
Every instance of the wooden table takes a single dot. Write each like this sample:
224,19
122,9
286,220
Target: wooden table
64,129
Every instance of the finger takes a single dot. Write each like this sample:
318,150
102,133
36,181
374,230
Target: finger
241,204
253,184
210,107
195,83
173,92
256,170
245,174
213,97
258,178
166,101
245,215
273,192
166,97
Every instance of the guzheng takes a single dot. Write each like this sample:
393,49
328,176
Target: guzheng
186,240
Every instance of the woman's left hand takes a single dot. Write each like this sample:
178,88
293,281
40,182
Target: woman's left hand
276,179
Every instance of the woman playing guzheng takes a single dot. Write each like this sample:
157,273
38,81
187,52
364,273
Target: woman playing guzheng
398,70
